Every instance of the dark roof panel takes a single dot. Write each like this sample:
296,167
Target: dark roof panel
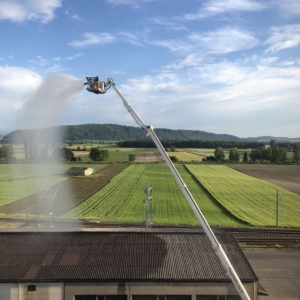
103,256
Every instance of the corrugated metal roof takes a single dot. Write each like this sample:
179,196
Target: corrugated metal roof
117,256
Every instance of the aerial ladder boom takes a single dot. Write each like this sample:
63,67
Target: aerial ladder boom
100,87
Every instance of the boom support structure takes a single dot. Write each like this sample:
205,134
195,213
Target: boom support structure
149,131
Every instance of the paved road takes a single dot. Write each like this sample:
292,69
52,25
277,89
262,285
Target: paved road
278,273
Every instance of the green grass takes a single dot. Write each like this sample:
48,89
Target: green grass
248,198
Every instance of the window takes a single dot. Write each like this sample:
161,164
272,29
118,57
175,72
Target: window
95,297
179,297
144,297
31,288
116,297
162,297
217,297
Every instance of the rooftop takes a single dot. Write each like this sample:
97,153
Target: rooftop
117,256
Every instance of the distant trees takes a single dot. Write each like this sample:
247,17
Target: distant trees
219,154
245,156
296,153
169,144
273,154
98,155
234,155
6,152
132,157
63,154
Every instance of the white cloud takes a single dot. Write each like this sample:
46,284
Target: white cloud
288,7
14,92
90,39
76,17
283,37
129,38
224,40
28,10
216,7
191,61
40,61
72,57
136,4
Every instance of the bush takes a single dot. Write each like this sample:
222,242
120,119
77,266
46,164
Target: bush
132,157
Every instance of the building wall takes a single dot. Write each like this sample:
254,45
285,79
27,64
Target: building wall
44,291
158,288
68,290
9,291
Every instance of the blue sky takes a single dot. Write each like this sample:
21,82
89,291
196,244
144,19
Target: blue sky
222,66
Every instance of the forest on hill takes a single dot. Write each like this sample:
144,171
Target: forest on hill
114,132
110,132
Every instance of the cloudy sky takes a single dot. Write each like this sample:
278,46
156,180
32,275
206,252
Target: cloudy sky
222,66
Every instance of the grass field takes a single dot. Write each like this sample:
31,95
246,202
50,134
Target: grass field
248,198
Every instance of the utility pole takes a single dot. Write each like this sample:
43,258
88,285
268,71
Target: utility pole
277,207
148,192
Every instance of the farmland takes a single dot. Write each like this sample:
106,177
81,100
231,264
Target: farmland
249,199
64,196
116,193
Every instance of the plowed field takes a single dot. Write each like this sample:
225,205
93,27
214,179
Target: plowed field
64,196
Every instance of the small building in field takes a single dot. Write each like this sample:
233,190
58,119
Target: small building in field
79,171
119,265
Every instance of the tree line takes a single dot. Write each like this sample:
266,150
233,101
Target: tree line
191,144
272,154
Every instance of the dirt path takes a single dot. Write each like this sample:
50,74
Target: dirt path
284,176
